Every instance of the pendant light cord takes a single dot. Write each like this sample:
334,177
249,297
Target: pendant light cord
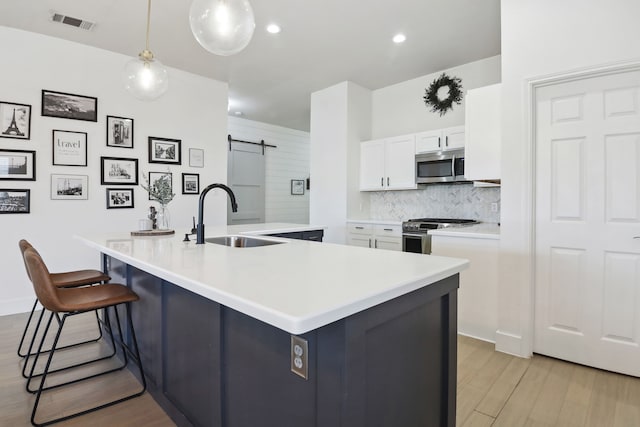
148,23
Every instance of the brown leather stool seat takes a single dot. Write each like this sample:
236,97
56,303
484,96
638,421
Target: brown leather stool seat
61,280
71,302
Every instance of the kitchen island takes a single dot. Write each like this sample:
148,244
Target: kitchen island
220,329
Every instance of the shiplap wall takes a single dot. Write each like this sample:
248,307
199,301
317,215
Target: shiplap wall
290,160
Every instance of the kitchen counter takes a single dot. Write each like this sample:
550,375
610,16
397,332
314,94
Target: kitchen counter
477,231
296,286
374,331
376,221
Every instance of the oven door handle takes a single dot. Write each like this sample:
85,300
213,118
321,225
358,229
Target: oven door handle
420,235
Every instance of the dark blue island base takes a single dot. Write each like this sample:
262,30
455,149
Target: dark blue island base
393,365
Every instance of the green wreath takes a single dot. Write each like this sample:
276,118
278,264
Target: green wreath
442,103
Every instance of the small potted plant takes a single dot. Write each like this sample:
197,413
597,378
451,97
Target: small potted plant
160,191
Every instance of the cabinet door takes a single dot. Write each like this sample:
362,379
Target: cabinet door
453,137
372,165
400,165
482,121
388,243
362,240
429,141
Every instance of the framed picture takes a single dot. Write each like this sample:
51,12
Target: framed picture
119,132
154,176
190,183
69,148
69,187
120,198
15,120
196,157
118,171
14,201
297,187
164,150
18,165
69,106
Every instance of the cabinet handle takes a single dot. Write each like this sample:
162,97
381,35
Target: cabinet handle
438,142
446,139
376,244
388,229
359,228
387,181
369,241
382,182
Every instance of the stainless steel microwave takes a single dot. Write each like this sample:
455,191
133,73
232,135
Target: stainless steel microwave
441,166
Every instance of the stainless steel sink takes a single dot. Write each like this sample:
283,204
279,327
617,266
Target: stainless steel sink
240,241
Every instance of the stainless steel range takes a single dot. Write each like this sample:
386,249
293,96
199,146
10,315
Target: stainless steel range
415,237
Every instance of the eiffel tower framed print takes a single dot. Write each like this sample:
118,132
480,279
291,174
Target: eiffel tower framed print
15,120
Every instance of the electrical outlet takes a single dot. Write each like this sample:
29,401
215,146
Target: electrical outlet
299,356
494,207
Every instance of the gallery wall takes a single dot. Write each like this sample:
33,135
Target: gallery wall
194,111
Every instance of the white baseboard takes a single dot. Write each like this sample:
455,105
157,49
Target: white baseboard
15,306
464,334
510,344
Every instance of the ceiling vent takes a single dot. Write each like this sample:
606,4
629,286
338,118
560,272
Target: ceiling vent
74,22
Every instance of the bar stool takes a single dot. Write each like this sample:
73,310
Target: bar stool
68,279
71,302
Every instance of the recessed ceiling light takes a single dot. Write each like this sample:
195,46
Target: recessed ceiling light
273,28
399,38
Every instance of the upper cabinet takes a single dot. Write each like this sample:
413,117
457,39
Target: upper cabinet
483,133
440,139
388,164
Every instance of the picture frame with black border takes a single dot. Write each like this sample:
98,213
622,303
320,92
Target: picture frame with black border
118,171
69,148
120,198
196,157
119,132
15,120
69,187
297,187
154,176
190,183
17,165
15,201
165,150
69,106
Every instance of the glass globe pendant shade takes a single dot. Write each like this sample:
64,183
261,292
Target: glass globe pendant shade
223,27
145,77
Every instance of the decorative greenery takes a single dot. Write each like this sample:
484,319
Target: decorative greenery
160,190
438,105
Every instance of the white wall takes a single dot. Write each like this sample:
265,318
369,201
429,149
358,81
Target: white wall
193,110
290,160
400,109
541,38
340,119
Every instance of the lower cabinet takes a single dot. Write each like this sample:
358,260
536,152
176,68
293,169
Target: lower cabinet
375,235
478,293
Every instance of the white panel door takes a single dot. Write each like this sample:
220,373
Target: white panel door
587,302
400,165
246,179
429,141
372,165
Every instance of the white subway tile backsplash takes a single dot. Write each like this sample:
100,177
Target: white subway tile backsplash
437,201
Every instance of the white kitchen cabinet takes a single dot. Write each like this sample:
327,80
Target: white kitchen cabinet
388,164
478,293
450,138
375,235
483,133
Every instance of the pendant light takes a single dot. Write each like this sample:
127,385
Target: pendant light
145,77
223,27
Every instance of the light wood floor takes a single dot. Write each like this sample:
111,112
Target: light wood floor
494,389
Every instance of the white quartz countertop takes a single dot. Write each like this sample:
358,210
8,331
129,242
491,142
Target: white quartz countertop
296,286
478,231
376,221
